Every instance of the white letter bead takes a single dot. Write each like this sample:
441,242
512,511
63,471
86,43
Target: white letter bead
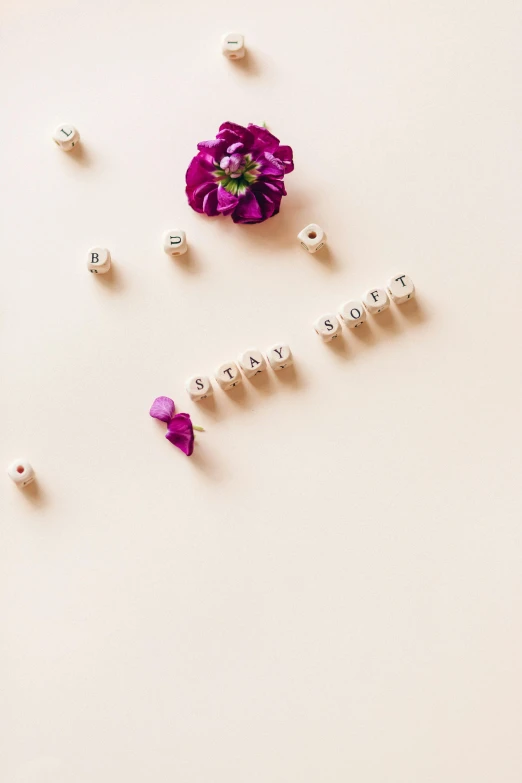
233,46
279,357
228,375
21,472
376,300
327,326
199,387
175,242
66,136
312,238
98,260
353,313
252,362
401,289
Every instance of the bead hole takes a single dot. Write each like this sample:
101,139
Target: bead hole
312,235
20,469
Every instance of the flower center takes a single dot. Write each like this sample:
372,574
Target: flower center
236,172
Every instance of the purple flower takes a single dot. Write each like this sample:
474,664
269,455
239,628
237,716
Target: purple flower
239,173
180,430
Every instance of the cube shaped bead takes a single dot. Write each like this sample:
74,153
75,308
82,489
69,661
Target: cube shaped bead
228,375
328,327
312,238
98,260
66,136
353,313
251,362
233,46
401,289
279,356
199,387
21,472
376,300
175,242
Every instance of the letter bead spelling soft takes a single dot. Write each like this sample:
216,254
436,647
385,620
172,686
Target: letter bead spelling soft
328,327
376,300
228,375
401,289
21,472
199,387
353,313
66,136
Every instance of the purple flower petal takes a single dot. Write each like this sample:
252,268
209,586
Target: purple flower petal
248,210
163,409
210,203
214,147
227,202
181,433
286,156
235,147
265,141
243,134
199,171
270,166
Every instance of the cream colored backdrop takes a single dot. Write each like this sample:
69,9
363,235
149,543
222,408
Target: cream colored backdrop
330,590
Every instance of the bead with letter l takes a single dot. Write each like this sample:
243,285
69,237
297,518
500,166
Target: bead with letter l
66,136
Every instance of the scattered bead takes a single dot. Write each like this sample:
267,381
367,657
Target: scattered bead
98,260
175,242
312,238
66,136
21,472
233,46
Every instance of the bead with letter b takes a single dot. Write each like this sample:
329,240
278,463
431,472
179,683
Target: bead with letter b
228,375
98,260
21,472
401,289
233,46
327,327
279,356
252,362
175,242
376,300
66,136
199,387
353,313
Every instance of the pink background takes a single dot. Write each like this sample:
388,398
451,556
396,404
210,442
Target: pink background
331,588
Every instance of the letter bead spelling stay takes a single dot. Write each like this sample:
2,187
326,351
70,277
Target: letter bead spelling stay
252,362
279,357
199,387
228,375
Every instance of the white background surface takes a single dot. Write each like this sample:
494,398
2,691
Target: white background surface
330,589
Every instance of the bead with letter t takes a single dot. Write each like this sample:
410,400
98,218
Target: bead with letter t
175,242
98,260
228,375
66,136
401,289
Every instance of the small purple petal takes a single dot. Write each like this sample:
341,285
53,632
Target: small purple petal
248,210
181,433
227,202
265,141
210,203
163,409
214,147
270,166
199,171
286,156
235,147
